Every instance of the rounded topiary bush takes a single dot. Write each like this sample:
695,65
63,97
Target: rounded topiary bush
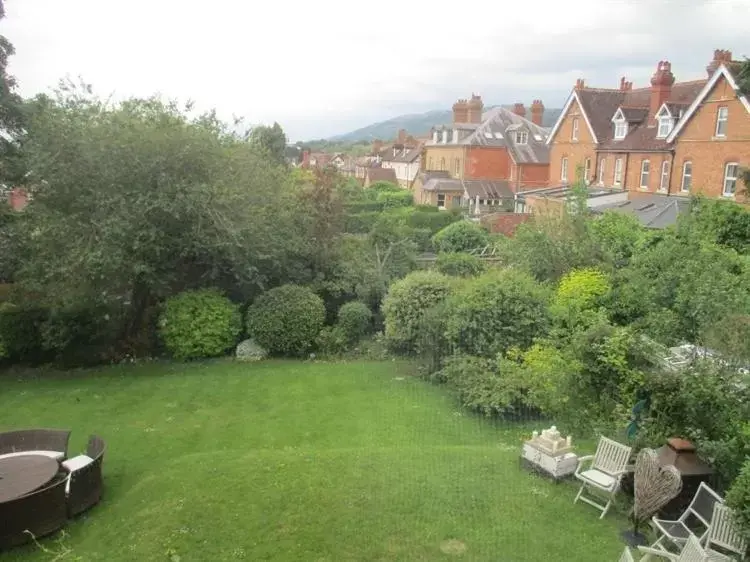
354,319
501,309
248,350
459,264
407,302
201,323
461,236
286,320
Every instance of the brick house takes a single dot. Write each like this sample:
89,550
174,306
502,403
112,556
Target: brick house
631,139
484,156
712,140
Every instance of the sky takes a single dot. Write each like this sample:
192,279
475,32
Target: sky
330,66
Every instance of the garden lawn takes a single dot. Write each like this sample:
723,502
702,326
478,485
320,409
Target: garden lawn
299,461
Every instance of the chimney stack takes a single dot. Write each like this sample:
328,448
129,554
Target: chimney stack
305,159
661,86
625,86
537,112
377,146
474,109
580,84
720,57
461,111
519,109
401,139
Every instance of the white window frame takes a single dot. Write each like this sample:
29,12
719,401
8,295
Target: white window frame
457,167
687,174
564,169
439,204
722,120
587,170
730,178
574,132
645,170
617,180
445,136
665,127
664,177
522,137
602,170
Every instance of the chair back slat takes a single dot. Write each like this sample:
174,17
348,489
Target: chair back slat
702,505
723,531
693,551
611,457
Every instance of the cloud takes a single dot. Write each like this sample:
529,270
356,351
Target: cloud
327,67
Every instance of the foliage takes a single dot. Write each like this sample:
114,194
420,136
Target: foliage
12,118
743,77
286,320
495,312
406,303
21,331
730,336
618,235
725,223
459,264
199,323
581,289
249,350
332,341
738,498
80,335
355,320
270,140
461,236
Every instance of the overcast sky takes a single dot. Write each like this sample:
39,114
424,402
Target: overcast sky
326,67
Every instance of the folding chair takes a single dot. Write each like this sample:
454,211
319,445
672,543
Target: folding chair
608,466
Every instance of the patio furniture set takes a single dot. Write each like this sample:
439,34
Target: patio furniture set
40,487
704,532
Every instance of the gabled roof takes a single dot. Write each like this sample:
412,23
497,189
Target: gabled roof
382,174
498,129
729,74
571,98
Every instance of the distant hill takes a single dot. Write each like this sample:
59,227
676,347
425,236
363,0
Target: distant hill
418,124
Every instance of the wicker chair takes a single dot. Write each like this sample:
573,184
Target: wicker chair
85,482
52,442
41,513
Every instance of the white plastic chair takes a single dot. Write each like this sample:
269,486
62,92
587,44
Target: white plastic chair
695,520
723,535
691,552
608,466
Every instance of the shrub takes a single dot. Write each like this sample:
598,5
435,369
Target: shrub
332,340
200,323
738,498
406,303
390,199
21,332
459,264
249,350
581,289
286,320
81,335
461,236
495,312
355,320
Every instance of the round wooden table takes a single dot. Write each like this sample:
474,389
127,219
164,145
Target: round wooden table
25,473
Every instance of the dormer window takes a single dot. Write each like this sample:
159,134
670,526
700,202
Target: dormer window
435,137
522,137
666,122
455,136
445,136
621,125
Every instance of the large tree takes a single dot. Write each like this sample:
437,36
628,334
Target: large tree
270,139
11,116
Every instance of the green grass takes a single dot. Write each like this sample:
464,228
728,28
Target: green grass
299,461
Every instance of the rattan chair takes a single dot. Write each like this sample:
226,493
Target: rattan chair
40,513
50,442
85,481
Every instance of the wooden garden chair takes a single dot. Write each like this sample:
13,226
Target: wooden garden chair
606,469
694,521
691,552
724,538
626,556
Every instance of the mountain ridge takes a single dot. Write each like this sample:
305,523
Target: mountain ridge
418,124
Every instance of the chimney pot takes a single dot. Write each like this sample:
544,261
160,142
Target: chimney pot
661,86
519,109
721,56
537,112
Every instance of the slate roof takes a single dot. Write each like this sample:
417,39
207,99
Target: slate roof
483,189
600,105
498,129
653,210
410,155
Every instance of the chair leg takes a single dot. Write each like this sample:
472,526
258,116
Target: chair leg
578,495
606,508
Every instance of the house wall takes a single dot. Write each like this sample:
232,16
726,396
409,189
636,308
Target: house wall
483,163
633,175
562,146
531,176
431,198
709,155
453,155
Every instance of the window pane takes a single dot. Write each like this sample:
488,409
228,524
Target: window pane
687,176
